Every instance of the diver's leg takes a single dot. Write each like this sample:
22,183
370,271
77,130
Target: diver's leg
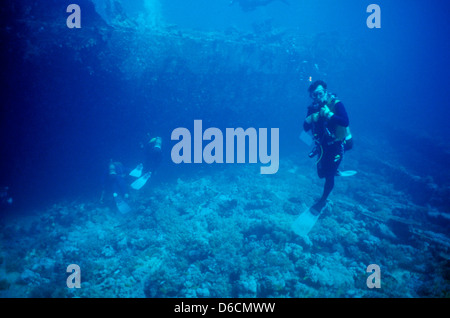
333,165
320,204
329,166
328,187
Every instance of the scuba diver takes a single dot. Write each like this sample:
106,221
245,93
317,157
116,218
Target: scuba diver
328,121
153,154
250,5
5,199
114,183
152,159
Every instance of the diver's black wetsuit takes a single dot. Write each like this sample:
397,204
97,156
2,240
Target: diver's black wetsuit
332,149
115,182
153,157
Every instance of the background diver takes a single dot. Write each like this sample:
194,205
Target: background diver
5,199
152,159
114,182
152,154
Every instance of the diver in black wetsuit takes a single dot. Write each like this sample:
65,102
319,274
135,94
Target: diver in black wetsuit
153,154
6,200
250,5
114,181
328,120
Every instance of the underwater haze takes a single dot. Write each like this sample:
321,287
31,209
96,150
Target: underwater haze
81,103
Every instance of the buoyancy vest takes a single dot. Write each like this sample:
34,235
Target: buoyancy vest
342,133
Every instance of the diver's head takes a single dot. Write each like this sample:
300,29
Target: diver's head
318,91
157,142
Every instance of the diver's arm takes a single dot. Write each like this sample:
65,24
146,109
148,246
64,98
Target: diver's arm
339,117
307,124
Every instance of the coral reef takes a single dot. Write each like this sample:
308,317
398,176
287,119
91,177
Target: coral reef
199,238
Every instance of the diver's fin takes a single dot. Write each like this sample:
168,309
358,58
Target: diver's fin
347,173
139,183
137,172
122,206
306,221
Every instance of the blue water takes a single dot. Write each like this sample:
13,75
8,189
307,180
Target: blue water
75,98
